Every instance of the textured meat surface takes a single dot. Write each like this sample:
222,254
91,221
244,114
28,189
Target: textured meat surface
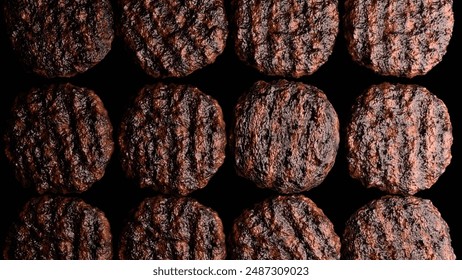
285,136
398,38
284,228
172,139
64,228
399,138
289,38
163,228
397,228
59,139
59,38
174,38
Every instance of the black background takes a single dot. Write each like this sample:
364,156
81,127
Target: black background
117,79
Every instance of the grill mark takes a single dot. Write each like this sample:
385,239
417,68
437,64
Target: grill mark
317,56
159,21
279,220
395,109
163,166
54,160
154,115
291,150
67,41
94,111
427,36
211,161
64,171
173,141
310,248
268,118
156,67
86,45
410,141
379,227
259,235
381,168
159,51
401,232
211,248
301,48
288,41
276,128
197,226
268,238
76,119
305,132
159,224
252,235
66,112
196,39
194,133
432,245
418,166
429,141
407,58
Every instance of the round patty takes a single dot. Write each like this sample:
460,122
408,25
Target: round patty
53,227
174,38
397,228
290,38
285,136
398,38
284,228
59,139
59,38
169,228
172,139
399,138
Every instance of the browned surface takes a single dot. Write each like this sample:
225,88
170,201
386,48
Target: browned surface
172,139
53,227
284,228
59,38
59,139
398,38
290,38
397,228
163,228
174,38
399,138
285,136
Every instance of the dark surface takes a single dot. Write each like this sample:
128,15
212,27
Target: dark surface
172,139
59,139
60,38
118,79
170,228
397,228
287,38
398,38
399,138
173,38
284,228
285,136
55,227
